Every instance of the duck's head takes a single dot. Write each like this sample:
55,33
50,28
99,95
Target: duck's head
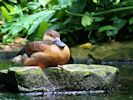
53,37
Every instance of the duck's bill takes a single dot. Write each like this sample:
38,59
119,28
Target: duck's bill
59,43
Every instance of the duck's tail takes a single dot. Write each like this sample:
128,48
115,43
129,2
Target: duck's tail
20,55
24,51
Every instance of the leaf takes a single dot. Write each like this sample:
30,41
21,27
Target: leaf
106,28
98,19
4,30
15,30
43,2
96,1
78,6
6,14
53,2
116,1
55,26
86,20
13,1
42,28
33,28
9,7
119,23
65,3
9,40
131,21
44,15
33,5
26,22
111,33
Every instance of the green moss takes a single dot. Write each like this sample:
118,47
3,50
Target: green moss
26,70
82,69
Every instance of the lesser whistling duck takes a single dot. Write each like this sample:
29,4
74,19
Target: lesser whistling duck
49,52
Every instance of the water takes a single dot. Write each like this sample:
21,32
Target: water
125,92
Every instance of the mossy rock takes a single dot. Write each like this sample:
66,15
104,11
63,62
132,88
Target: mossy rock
82,77
106,51
25,79
114,50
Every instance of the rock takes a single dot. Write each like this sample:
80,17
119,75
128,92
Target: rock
64,78
114,50
26,79
107,53
82,77
79,55
3,74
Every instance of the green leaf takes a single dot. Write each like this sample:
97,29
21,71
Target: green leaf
131,21
13,1
9,40
96,1
116,1
98,19
43,2
55,26
4,30
119,23
42,28
65,3
26,22
15,30
33,5
111,33
9,7
86,20
5,37
33,28
78,7
106,28
6,14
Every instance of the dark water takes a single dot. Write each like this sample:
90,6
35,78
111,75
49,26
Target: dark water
125,92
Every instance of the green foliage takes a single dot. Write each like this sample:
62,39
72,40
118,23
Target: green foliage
87,19
100,19
33,19
104,18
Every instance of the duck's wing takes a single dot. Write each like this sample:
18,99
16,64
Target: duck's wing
32,47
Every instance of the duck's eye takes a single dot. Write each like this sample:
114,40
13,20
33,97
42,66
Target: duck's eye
51,35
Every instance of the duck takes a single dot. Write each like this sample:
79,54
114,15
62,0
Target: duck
51,51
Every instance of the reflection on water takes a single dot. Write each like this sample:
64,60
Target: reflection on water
125,91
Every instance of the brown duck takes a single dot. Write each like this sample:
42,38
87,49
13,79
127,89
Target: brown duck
49,52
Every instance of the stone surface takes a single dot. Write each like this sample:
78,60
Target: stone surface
107,52
63,78
82,77
25,79
115,50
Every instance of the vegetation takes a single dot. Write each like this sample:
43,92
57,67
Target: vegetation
76,20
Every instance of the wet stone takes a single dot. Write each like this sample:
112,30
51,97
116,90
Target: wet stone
82,77
26,79
69,77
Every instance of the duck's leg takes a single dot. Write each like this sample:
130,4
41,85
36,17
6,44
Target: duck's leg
36,59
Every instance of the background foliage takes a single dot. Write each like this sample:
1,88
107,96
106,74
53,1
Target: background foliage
77,20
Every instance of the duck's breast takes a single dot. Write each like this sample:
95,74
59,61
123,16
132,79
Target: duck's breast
57,55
